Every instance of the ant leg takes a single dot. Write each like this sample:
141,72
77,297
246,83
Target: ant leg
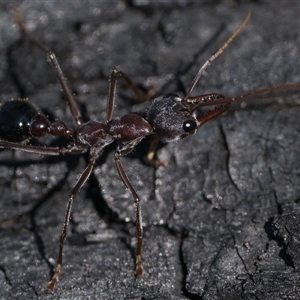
59,74
42,150
141,96
151,152
138,215
82,179
67,91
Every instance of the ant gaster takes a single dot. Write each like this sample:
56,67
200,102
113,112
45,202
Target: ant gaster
168,118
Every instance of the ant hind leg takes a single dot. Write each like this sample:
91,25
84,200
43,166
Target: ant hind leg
53,60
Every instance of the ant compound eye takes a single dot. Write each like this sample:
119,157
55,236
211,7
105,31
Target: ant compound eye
189,126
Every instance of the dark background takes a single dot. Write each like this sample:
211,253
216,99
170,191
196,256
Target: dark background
221,221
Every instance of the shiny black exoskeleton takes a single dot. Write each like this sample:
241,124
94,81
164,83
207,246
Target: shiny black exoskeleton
20,121
15,120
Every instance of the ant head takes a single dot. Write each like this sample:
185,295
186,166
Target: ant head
171,119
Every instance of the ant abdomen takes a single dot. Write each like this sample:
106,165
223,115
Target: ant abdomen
20,121
16,118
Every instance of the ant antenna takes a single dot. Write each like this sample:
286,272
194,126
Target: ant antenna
266,90
249,94
209,61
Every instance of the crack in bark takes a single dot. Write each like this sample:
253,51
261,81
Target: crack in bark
226,146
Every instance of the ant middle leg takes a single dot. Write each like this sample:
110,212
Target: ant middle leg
140,95
82,179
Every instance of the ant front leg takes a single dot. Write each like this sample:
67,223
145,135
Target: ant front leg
152,160
138,214
129,130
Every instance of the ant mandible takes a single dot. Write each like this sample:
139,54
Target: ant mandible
168,118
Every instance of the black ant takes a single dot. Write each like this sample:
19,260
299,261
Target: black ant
168,118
